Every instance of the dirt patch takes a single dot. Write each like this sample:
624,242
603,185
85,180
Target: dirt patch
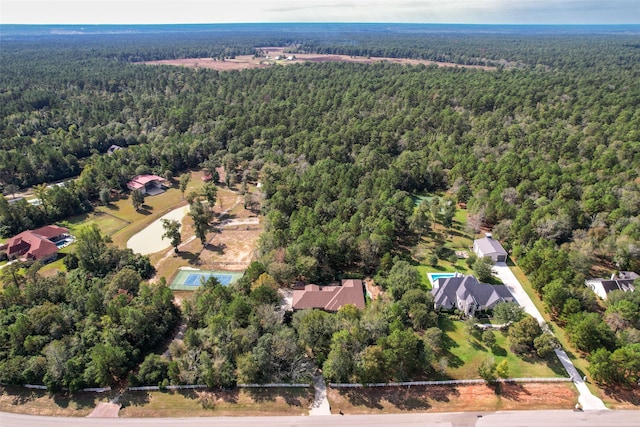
249,61
452,398
105,410
374,290
230,245
622,398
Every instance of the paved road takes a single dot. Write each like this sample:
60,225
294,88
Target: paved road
585,397
496,419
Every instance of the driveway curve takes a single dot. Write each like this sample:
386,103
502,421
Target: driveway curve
586,399
149,240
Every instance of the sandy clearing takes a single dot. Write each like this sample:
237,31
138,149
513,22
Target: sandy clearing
236,222
242,62
150,239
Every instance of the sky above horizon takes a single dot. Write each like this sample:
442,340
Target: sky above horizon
258,11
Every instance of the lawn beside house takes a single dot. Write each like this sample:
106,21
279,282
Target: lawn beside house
120,220
465,354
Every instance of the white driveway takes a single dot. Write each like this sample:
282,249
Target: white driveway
150,240
320,405
586,399
505,274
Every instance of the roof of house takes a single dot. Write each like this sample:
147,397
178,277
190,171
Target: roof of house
329,298
113,148
467,288
141,180
35,242
50,231
623,281
610,285
628,275
488,245
145,179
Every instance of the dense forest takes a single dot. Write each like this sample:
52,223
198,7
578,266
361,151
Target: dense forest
88,327
544,149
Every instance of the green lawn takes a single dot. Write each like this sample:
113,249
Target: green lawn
121,221
465,355
455,239
237,402
107,223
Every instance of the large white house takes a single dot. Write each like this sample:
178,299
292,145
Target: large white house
624,281
489,247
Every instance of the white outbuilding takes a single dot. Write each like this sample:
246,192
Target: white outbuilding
489,247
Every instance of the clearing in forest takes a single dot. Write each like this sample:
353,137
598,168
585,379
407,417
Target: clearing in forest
242,62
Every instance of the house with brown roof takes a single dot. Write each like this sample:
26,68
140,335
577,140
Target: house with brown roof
147,184
329,298
39,244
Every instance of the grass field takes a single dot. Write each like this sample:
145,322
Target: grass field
39,402
465,354
106,222
120,220
246,402
455,239
185,403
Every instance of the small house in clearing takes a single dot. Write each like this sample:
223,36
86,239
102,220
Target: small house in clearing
621,282
147,184
329,298
39,244
466,294
489,247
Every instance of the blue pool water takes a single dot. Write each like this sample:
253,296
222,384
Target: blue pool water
64,242
433,277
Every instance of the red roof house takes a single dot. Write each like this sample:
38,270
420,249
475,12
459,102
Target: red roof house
36,244
147,184
329,298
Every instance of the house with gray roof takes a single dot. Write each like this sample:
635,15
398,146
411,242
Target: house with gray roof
489,247
466,294
622,282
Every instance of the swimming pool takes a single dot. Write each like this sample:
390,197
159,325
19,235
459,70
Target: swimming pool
433,277
64,242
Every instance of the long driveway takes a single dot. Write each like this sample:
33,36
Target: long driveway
586,399
564,418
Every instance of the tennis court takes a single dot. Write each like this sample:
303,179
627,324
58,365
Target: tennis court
189,279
